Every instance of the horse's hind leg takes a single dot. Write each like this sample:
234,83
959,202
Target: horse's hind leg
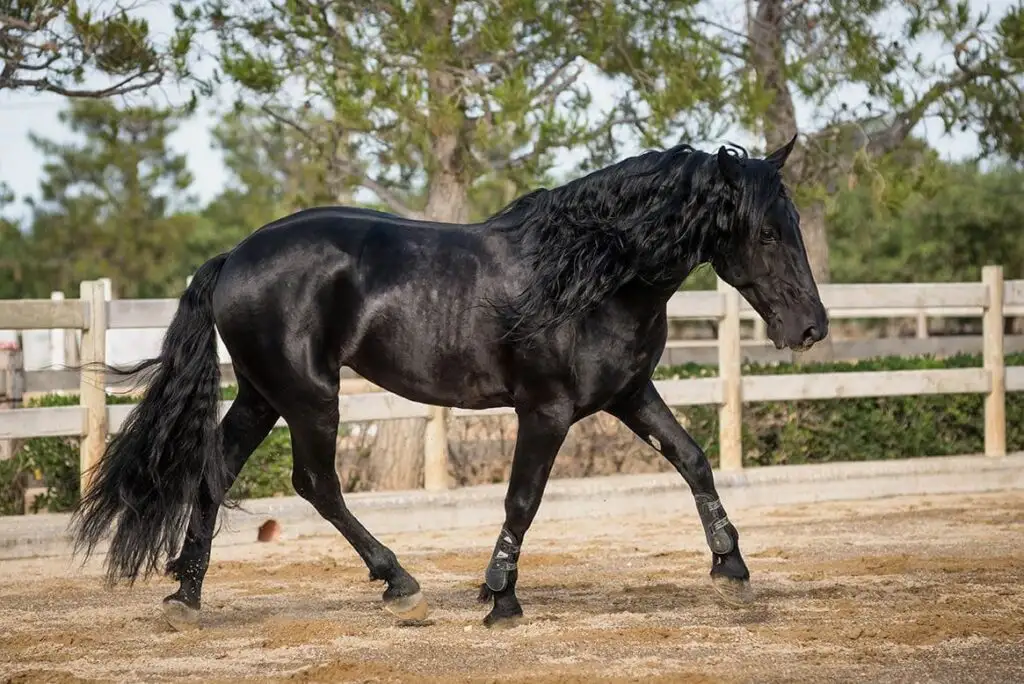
314,432
246,424
647,415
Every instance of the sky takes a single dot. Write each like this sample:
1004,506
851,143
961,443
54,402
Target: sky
25,112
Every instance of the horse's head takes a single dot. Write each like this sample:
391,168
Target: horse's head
760,252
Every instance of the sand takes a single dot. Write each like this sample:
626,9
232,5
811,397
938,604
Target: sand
909,589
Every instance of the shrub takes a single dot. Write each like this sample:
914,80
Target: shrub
820,431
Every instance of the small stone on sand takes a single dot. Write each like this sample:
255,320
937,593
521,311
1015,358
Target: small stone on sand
269,531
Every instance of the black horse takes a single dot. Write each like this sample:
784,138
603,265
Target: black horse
555,306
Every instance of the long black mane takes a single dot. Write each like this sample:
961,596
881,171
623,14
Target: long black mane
652,217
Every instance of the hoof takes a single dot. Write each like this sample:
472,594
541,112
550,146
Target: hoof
179,616
733,592
409,608
502,622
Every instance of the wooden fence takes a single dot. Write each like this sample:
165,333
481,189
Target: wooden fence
991,299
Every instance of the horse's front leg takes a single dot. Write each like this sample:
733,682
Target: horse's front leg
541,433
649,417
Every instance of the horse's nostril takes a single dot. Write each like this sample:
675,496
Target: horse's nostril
811,335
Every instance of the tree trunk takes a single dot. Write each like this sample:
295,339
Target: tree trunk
447,198
397,458
812,224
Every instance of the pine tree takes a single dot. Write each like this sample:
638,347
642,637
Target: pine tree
108,202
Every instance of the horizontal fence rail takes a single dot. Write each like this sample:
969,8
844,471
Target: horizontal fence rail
992,299
135,328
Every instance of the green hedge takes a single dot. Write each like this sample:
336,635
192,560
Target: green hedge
870,429
783,432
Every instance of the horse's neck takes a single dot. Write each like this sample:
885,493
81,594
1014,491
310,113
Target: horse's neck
645,301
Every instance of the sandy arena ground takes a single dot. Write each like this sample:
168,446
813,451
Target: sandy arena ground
913,589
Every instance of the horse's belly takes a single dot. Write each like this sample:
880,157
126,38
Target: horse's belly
430,348
440,379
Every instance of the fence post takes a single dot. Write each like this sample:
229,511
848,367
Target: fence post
12,369
760,329
995,364
730,411
435,449
108,288
92,395
58,347
922,325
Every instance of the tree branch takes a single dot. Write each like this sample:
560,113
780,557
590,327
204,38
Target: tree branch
726,29
13,22
550,88
506,163
815,52
120,88
76,45
33,67
726,50
334,161
285,121
893,135
383,192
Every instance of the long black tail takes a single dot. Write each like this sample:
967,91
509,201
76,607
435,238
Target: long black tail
148,481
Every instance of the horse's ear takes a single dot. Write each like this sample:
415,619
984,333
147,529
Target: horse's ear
778,157
729,166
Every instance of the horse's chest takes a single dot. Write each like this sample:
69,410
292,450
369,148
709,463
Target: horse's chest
639,357
606,368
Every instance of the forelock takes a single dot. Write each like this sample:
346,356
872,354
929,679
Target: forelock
761,186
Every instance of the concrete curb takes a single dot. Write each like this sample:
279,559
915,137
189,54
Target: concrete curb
617,495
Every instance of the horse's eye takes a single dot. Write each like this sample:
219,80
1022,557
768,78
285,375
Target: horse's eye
768,233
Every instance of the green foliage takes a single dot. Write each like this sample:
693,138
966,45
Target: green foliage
774,433
272,172
55,45
943,224
110,205
912,60
904,60
55,459
996,97
405,98
13,253
268,472
870,429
